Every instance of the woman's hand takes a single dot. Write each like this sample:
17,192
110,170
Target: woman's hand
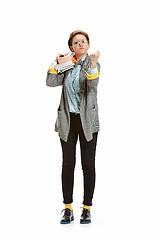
93,59
58,55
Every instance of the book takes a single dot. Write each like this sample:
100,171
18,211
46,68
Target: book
65,62
65,57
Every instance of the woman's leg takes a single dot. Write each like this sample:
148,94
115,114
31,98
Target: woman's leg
68,164
88,151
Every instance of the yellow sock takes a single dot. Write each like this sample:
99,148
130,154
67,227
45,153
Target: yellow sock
69,206
87,207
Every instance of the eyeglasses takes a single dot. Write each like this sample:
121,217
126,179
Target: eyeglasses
80,42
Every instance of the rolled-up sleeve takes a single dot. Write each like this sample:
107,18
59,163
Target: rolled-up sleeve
93,75
53,78
92,71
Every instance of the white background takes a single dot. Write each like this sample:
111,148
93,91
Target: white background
126,201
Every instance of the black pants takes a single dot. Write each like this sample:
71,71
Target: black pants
88,150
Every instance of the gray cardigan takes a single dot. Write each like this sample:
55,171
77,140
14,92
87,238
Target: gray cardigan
88,102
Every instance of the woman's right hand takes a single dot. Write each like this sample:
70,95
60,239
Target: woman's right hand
58,55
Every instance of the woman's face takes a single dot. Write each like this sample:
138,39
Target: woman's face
80,45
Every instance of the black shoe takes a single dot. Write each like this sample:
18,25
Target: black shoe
68,216
86,216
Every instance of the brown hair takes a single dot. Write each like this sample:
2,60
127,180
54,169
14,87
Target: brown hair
73,34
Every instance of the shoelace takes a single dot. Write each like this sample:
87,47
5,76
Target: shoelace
85,212
67,210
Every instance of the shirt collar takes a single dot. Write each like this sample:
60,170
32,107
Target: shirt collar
83,58
80,62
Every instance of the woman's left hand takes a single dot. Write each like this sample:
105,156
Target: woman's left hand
93,59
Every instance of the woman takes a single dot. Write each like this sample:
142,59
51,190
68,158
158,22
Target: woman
78,116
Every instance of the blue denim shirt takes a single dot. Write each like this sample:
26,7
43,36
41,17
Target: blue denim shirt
73,87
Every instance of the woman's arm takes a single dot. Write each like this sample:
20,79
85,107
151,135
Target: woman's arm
93,59
53,78
94,70
93,79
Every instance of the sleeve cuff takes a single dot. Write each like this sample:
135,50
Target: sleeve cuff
92,71
92,76
52,68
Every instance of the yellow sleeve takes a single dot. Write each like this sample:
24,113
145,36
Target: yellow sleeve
52,70
92,77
